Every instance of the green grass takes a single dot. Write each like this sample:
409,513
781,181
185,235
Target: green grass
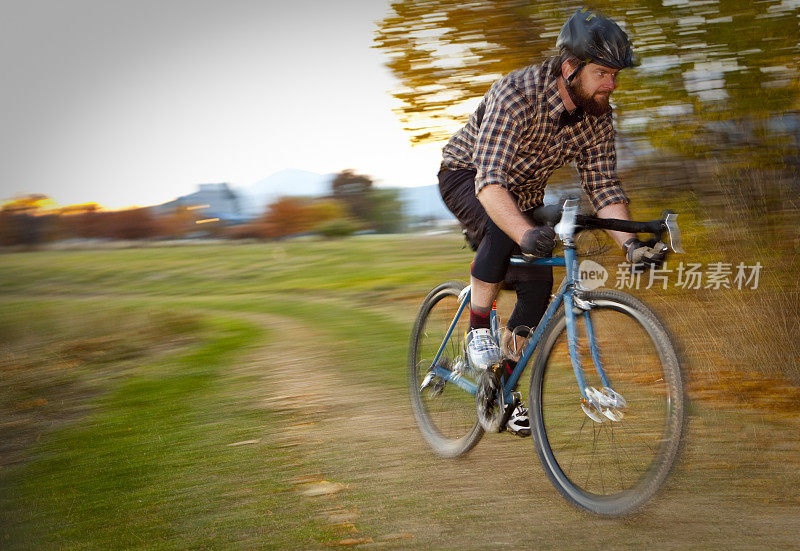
149,465
349,266
125,374
117,374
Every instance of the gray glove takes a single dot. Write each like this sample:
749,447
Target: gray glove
643,255
538,242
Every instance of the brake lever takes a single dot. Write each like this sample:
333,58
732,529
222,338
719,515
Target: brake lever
671,225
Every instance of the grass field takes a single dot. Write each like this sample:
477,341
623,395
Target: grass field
252,396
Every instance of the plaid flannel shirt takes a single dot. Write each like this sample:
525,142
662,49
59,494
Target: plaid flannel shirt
522,141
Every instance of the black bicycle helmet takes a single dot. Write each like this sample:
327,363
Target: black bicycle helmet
592,38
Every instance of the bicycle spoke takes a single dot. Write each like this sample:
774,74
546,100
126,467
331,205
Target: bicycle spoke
600,468
633,434
616,456
628,457
623,458
585,419
445,413
593,452
578,411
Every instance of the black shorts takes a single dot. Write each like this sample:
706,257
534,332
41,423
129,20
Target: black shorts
457,188
533,285
493,247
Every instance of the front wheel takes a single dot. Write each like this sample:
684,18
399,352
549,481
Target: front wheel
446,414
607,466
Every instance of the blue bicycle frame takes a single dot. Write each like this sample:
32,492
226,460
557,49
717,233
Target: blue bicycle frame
566,293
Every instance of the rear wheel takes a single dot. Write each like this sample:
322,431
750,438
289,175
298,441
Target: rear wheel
613,466
446,414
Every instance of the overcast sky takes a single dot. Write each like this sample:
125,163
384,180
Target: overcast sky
136,102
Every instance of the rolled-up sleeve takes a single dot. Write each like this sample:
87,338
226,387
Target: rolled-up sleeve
507,113
598,167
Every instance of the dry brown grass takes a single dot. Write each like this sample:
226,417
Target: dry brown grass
741,345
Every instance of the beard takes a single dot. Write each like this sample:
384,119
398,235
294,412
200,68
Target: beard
592,104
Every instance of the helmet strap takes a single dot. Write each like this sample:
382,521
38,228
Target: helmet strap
571,77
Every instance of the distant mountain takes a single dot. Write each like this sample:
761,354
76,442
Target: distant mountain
291,181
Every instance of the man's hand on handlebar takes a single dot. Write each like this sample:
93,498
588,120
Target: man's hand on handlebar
644,256
538,242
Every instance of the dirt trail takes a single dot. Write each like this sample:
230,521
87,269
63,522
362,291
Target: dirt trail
735,486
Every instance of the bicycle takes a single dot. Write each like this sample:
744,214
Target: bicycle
607,445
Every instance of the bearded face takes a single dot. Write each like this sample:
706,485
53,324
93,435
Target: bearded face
592,88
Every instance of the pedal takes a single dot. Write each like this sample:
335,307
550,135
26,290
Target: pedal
434,382
427,381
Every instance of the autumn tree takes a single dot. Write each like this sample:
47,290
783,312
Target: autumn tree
21,220
81,220
286,216
354,190
177,223
446,53
716,77
326,210
386,214
136,223
379,209
293,215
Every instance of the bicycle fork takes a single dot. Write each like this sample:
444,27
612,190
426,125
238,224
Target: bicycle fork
604,403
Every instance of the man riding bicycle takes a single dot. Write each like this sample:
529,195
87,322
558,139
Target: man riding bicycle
494,171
